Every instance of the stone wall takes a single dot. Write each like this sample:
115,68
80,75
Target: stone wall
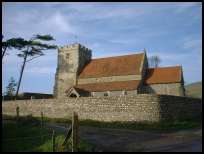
143,107
164,89
179,108
113,93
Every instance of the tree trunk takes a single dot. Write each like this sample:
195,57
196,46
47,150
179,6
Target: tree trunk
4,51
22,69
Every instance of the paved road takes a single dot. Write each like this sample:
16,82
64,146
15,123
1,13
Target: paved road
112,140
190,146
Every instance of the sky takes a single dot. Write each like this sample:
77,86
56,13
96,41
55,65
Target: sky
173,31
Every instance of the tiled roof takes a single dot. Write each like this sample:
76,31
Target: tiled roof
109,86
163,75
113,66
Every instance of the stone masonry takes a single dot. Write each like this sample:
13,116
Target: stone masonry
170,89
71,60
142,107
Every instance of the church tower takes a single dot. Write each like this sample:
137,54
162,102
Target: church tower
71,61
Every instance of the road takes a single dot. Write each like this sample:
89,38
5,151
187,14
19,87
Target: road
122,140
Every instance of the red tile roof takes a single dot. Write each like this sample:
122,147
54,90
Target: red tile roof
109,86
113,66
163,75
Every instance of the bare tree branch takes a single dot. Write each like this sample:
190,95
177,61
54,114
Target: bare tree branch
154,61
34,58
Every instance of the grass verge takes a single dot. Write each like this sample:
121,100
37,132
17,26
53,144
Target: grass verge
150,126
28,137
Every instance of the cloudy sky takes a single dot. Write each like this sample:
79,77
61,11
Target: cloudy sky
171,30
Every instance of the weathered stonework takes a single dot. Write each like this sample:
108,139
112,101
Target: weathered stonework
109,79
142,107
144,66
166,89
71,60
114,93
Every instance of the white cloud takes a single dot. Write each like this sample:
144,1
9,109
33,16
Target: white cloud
57,22
26,23
101,11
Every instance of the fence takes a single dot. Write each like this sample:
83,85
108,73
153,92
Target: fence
72,134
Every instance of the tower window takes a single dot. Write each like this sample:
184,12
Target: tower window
67,55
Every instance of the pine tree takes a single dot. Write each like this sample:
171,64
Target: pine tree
11,88
13,43
34,48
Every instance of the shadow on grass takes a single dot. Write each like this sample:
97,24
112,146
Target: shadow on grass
146,125
26,135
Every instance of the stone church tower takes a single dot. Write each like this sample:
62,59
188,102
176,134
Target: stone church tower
71,61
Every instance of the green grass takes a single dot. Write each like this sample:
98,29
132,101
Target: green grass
194,90
150,126
26,137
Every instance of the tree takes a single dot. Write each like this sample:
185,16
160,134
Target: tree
11,88
17,43
34,49
154,61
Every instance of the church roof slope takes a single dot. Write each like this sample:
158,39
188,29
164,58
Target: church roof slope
163,75
109,86
113,66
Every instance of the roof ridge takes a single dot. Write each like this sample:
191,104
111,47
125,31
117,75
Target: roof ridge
118,56
165,67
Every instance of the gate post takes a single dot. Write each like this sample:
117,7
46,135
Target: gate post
75,132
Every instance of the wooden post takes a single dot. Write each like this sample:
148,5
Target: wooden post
41,124
17,113
68,135
75,137
53,141
42,120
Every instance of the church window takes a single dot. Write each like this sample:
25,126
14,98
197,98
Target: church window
67,56
106,94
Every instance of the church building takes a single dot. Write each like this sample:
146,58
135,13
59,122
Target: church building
78,75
